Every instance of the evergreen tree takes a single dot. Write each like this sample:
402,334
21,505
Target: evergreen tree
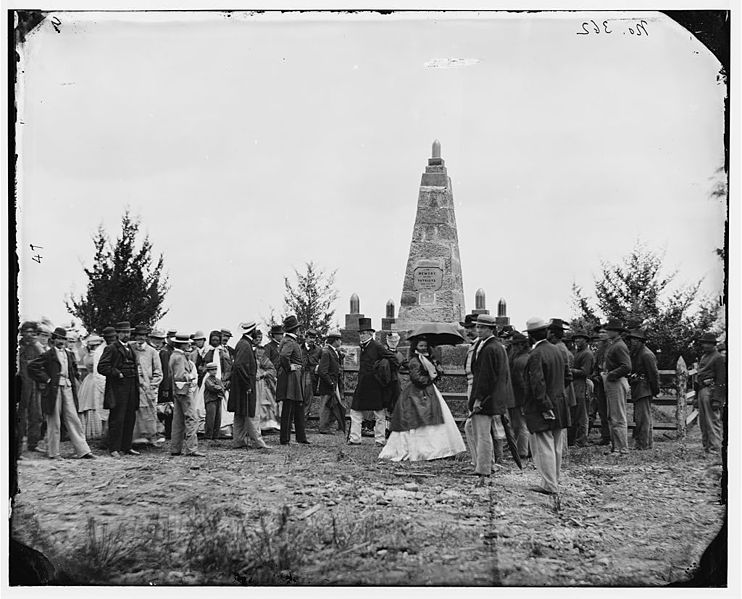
635,291
311,298
125,283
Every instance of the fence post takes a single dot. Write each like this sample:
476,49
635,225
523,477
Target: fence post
681,385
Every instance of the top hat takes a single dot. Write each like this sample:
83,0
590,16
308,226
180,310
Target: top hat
142,329
637,334
364,324
333,334
182,338
487,320
290,323
123,326
536,324
276,328
708,338
580,333
59,333
614,325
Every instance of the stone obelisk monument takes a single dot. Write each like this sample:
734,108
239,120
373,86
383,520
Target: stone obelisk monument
433,290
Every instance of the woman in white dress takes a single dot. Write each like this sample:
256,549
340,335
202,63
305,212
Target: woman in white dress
265,389
89,394
422,425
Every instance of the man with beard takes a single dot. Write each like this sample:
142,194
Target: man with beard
149,369
645,384
242,396
119,365
369,393
545,409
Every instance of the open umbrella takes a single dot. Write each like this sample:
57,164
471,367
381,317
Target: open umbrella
438,333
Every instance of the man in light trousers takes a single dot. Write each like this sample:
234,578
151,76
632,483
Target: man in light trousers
616,369
185,422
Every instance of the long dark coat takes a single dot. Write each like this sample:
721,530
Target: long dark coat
111,363
418,404
329,371
165,391
46,369
545,374
271,352
645,378
289,382
244,372
369,394
491,383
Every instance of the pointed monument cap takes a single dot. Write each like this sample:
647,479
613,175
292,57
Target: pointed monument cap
355,304
436,149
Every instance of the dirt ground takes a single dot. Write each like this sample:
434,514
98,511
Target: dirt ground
349,518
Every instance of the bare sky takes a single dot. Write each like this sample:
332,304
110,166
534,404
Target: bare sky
249,145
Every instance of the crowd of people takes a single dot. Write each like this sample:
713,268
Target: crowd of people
534,392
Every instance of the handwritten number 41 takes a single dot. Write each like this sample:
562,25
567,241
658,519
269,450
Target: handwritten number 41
639,28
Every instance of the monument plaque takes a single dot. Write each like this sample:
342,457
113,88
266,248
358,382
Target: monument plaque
426,278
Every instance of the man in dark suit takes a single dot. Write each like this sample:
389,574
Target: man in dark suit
30,416
645,384
242,400
289,388
491,393
369,394
119,365
311,353
271,348
331,403
55,371
582,368
545,407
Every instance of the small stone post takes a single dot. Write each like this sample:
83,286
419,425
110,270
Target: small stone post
681,385
479,302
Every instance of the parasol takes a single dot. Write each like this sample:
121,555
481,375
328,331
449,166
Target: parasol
438,333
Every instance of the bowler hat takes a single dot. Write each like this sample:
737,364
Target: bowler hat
614,325
486,320
290,323
171,332
59,333
557,323
708,338
333,334
276,328
518,337
142,329
637,334
364,324
469,321
226,332
108,332
29,326
199,335
536,324
123,326
581,333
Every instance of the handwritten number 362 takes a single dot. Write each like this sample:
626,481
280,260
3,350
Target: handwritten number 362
638,29
585,30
